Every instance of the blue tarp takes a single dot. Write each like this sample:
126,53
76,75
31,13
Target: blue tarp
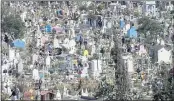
132,33
122,24
19,43
48,28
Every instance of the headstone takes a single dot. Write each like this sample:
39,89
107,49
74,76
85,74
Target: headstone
96,67
56,43
82,92
58,95
20,67
93,49
35,58
65,91
18,55
11,54
130,66
86,92
48,61
36,74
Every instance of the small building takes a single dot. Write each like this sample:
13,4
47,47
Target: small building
149,8
165,55
47,95
96,68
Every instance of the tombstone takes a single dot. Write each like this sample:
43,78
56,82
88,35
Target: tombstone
23,16
142,50
67,92
86,92
82,92
56,43
162,42
11,54
20,66
93,49
96,67
130,65
39,36
36,74
84,72
109,25
73,33
64,91
48,61
35,58
58,95
31,67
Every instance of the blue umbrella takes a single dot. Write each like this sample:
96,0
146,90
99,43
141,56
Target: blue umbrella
19,43
48,28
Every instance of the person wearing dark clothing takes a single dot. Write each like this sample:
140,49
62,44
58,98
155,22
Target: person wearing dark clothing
67,3
85,42
90,22
171,75
13,95
40,83
123,40
80,41
51,95
100,23
104,36
128,49
6,39
102,51
108,36
75,67
59,51
67,73
79,63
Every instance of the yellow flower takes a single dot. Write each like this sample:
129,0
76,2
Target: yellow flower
75,62
32,98
85,53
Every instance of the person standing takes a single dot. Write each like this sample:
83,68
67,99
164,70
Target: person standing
40,83
18,93
81,41
85,42
102,51
13,95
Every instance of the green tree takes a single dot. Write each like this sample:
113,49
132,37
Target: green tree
136,14
127,12
83,7
100,7
149,25
91,6
11,23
